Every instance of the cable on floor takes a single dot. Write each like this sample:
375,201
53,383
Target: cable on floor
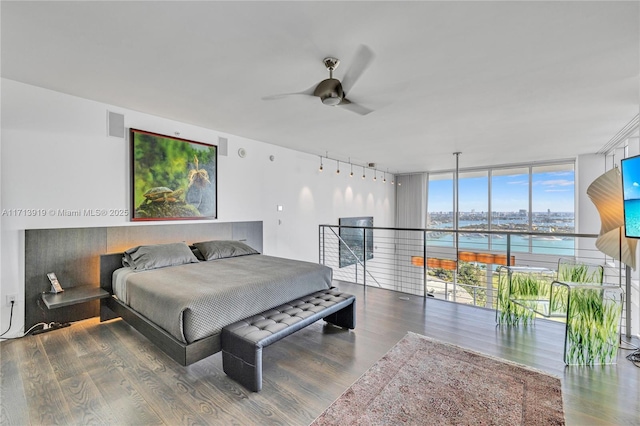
10,319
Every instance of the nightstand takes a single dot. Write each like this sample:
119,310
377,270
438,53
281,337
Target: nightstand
73,296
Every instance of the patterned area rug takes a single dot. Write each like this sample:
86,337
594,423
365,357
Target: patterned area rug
421,381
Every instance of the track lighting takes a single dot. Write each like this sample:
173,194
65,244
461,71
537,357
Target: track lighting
364,169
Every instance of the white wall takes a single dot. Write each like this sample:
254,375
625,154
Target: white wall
588,168
56,154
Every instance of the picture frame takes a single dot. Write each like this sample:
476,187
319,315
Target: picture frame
172,178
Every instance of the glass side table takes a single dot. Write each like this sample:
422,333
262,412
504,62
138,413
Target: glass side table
523,292
593,314
591,311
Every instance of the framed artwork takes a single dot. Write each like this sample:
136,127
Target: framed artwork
172,178
359,240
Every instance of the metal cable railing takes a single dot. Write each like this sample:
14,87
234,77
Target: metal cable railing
425,262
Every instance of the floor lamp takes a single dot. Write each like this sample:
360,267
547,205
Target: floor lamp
606,193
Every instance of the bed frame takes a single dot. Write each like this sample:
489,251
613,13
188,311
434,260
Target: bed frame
74,255
111,308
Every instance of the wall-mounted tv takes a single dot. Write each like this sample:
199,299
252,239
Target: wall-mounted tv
358,241
630,170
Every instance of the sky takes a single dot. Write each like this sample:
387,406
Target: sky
630,170
551,191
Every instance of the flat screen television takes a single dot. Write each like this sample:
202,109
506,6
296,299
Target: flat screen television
355,241
630,170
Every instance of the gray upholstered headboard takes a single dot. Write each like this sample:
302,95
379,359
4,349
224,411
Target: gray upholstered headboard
74,255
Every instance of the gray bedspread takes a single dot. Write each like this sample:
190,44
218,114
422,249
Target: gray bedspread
197,300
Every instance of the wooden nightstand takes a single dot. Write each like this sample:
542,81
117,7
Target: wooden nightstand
73,296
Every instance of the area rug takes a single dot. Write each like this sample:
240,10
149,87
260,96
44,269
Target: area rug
422,381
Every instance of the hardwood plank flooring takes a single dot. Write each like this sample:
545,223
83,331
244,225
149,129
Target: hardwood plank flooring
107,373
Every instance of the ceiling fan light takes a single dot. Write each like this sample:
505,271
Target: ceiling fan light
331,99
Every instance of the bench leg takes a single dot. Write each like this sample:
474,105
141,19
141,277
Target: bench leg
247,372
345,317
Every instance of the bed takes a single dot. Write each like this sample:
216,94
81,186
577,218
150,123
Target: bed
181,297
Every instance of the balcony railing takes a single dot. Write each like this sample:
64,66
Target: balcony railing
457,266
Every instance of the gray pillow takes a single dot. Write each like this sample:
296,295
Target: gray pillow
142,258
212,250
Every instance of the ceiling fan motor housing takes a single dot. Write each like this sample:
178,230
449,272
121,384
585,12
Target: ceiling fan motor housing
330,91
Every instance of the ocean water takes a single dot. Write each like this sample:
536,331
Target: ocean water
540,245
632,217
556,245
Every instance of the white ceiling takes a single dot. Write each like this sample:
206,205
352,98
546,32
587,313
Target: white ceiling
502,82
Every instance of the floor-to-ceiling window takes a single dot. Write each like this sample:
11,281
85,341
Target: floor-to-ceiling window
495,206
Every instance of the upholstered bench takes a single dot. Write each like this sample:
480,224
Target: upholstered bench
242,342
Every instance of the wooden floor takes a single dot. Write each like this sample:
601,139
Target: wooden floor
92,373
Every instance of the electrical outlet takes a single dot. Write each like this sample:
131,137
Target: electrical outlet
11,298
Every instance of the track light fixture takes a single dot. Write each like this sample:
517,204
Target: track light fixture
364,169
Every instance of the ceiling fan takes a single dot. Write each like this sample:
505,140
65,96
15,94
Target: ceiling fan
331,91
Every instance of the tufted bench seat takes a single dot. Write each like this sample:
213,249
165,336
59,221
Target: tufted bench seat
242,341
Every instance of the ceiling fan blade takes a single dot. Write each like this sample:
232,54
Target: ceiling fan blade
309,92
353,107
363,58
